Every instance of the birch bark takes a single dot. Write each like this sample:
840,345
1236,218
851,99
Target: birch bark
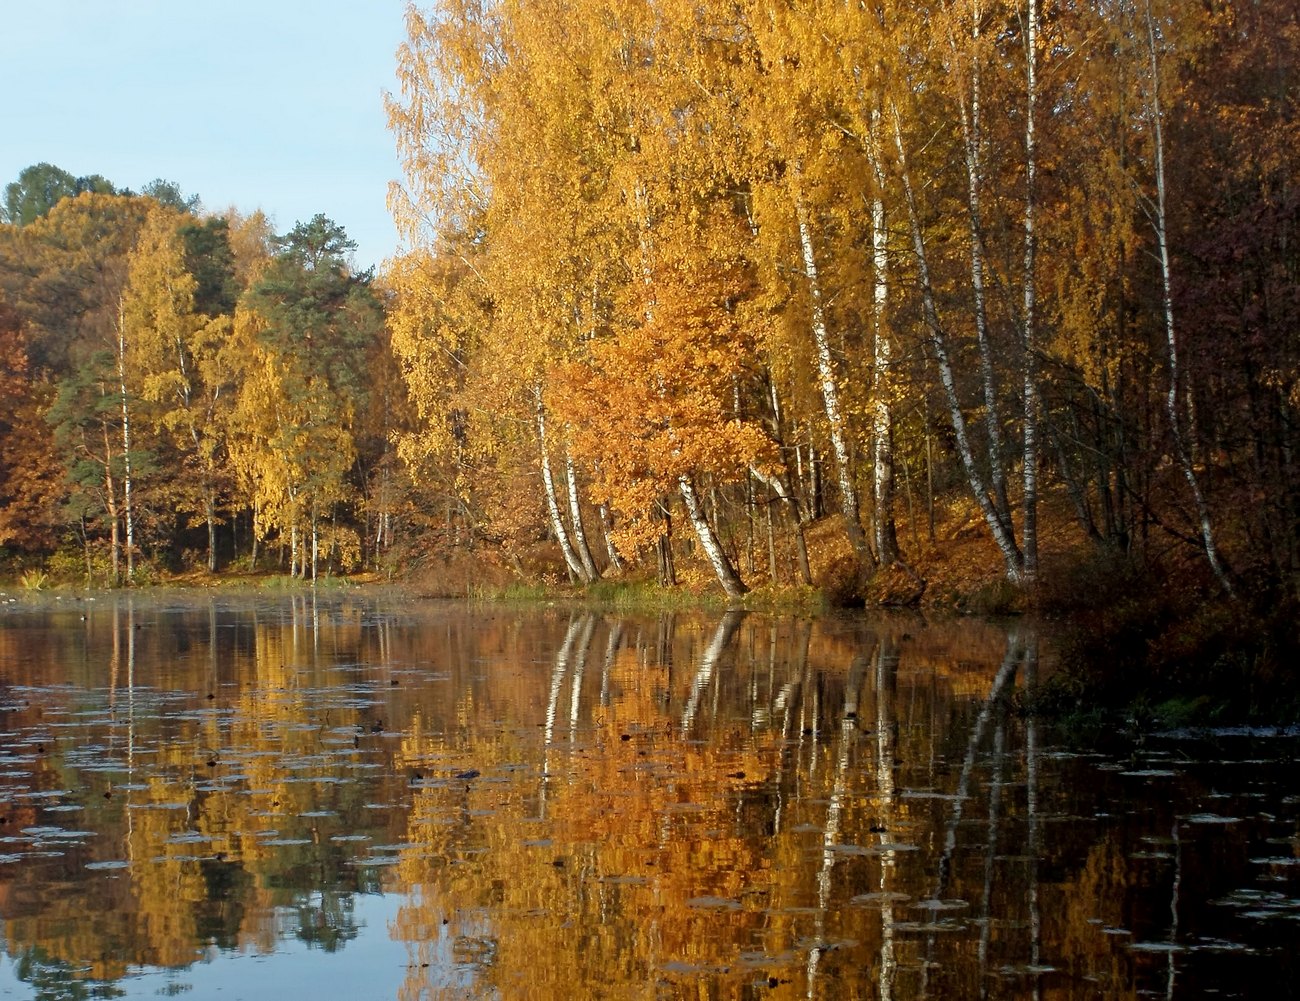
126,443
580,545
1029,514
881,380
830,391
571,560
1159,222
1002,535
717,556
780,486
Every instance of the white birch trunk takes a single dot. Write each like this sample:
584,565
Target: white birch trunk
110,508
830,391
580,544
779,486
1006,542
972,143
1029,514
126,444
882,418
1159,222
553,505
718,559
209,513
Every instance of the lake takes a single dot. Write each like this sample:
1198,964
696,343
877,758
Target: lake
360,795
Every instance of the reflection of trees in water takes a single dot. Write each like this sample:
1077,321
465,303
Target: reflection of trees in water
59,980
734,727
571,798
326,920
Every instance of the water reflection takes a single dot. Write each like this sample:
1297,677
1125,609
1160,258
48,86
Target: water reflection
250,795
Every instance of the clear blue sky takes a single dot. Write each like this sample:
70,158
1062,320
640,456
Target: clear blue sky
274,105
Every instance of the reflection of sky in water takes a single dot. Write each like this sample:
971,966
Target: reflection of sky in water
359,798
373,966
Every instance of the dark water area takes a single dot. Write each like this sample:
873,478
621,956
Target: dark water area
354,795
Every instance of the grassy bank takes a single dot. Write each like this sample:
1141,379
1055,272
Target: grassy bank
1152,644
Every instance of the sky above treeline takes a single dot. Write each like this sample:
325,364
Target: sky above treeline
274,105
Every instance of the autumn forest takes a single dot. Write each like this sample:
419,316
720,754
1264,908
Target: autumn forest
725,295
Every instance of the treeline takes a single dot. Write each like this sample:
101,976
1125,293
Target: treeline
738,265
686,280
179,386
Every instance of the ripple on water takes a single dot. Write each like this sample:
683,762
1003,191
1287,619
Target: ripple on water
707,903
879,898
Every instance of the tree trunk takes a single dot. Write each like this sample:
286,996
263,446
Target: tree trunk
110,506
882,421
771,543
780,486
1002,535
252,558
583,550
830,393
1182,446
615,559
209,513
571,560
1029,516
126,444
972,135
718,559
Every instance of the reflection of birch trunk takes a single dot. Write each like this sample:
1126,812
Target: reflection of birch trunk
579,668
887,657
808,717
607,665
1005,676
213,674
783,704
722,635
114,664
991,848
1172,975
831,829
1031,807
130,723
553,703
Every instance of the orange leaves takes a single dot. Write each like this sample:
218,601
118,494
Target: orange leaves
658,399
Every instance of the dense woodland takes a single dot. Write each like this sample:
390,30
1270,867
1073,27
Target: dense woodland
687,283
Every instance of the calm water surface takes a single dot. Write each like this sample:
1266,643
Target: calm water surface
343,796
